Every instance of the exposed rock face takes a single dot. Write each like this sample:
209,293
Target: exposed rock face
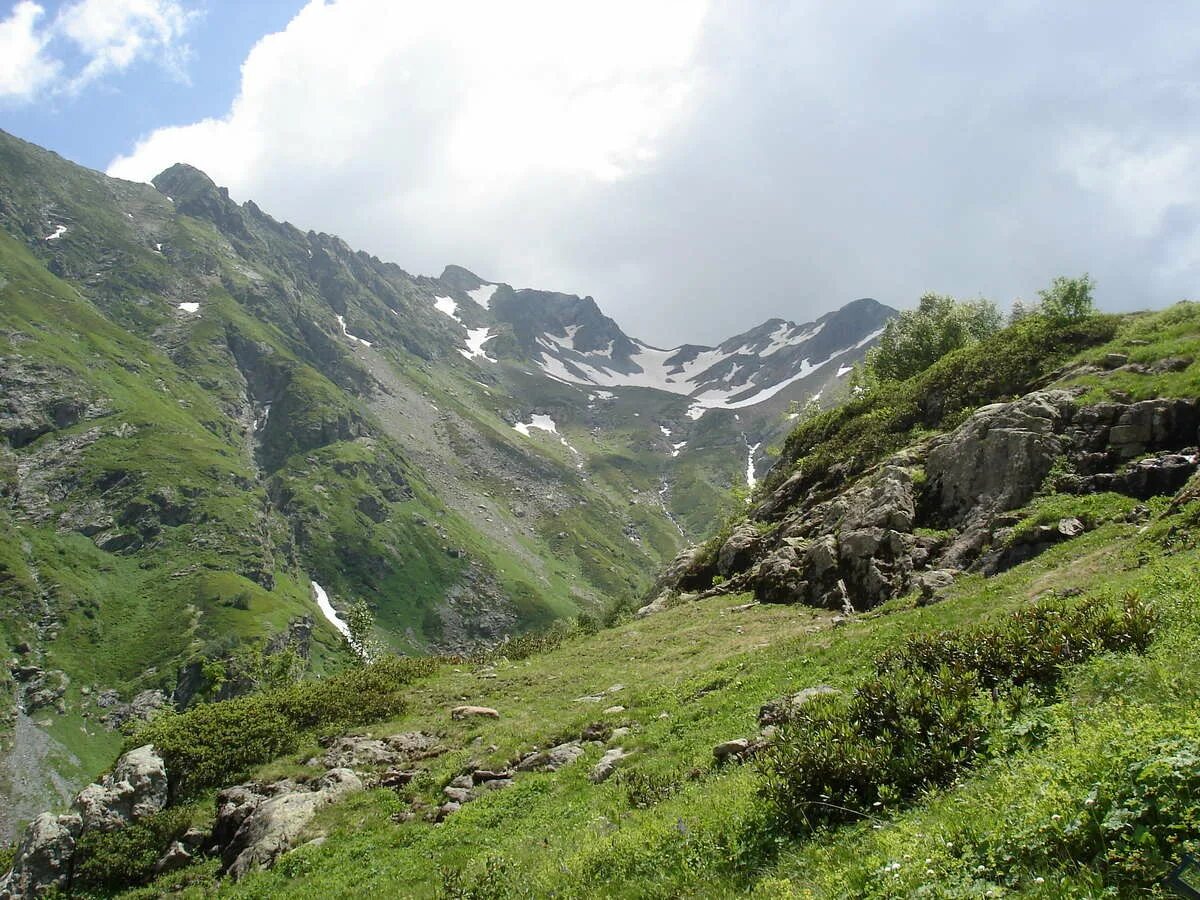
136,788
43,860
254,828
997,459
775,712
887,533
352,751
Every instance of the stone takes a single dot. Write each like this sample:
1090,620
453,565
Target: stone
775,712
614,710
997,459
604,769
1114,360
479,776
176,857
136,788
43,859
739,550
730,749
275,824
596,731
933,582
659,604
1070,527
467,712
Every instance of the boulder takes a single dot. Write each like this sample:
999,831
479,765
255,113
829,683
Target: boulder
469,712
136,787
933,582
275,824
659,604
176,857
775,712
604,769
779,578
998,458
42,863
731,749
739,550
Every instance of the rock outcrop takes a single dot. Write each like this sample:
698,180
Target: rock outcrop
45,859
940,507
260,824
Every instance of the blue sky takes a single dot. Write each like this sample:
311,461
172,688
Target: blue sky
99,122
697,166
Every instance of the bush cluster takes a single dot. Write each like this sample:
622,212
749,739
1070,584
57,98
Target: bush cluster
923,716
110,860
214,743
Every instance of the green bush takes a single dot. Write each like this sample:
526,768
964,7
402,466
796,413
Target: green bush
841,443
924,716
215,743
110,860
1068,299
917,338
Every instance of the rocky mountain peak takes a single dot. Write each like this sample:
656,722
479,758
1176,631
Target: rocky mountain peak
195,194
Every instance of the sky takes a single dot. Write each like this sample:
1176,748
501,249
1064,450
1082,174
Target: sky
695,166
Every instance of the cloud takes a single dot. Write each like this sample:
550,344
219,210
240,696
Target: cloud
98,36
24,67
700,169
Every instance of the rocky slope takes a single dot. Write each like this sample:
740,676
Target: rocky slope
211,420
1008,484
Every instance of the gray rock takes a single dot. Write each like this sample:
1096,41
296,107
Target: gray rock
730,749
775,712
43,860
998,458
659,604
136,788
176,857
739,550
275,824
604,769
933,582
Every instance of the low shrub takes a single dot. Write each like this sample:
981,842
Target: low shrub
928,711
109,860
212,744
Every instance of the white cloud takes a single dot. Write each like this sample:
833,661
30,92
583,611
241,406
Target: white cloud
104,35
113,34
385,120
24,67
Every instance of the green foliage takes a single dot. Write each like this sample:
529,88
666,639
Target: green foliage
214,743
842,442
107,860
922,717
917,338
1068,299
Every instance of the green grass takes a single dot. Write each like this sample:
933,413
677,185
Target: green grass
695,675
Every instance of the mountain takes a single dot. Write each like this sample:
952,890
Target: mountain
220,434
949,649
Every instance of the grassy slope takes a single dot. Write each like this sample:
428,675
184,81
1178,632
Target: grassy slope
696,675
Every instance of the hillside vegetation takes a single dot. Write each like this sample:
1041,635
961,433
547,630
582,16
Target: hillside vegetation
1025,727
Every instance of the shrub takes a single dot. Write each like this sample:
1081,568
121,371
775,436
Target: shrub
211,744
1068,299
109,860
917,338
923,717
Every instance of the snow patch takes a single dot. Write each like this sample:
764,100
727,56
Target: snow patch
546,423
190,307
751,480
665,430
446,305
844,370
483,294
332,617
476,338
59,231
675,448
342,321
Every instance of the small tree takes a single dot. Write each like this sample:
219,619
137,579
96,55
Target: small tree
361,624
1068,299
917,338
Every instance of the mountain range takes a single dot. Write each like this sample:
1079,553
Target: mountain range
218,432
